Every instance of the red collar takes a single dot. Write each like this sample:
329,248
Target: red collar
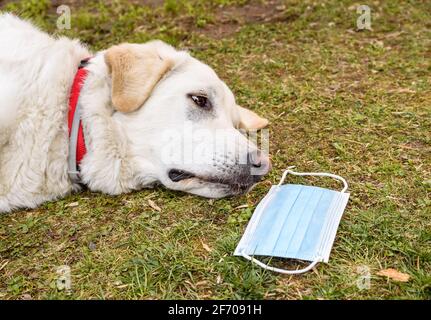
80,77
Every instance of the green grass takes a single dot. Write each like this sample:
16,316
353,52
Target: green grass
353,103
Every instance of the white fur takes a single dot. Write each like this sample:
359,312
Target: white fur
36,73
124,150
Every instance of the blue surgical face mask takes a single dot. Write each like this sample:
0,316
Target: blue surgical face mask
294,221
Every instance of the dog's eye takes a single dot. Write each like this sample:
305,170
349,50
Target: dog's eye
201,101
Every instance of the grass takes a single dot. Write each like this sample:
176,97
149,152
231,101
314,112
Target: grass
353,103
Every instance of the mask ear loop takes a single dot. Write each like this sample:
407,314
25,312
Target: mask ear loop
318,174
318,259
284,271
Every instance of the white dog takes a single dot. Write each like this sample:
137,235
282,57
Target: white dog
133,98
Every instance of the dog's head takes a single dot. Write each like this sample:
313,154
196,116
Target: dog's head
182,121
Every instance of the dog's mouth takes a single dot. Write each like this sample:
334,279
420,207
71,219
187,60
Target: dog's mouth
179,175
237,186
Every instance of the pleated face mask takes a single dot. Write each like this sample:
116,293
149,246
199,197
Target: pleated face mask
294,221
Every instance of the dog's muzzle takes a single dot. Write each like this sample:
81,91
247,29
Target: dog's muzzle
239,177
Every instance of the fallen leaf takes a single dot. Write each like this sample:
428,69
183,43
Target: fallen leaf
72,205
118,284
402,90
379,43
206,247
201,283
243,206
4,265
154,205
394,275
394,34
189,283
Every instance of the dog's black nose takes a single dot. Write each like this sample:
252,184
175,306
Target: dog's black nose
258,163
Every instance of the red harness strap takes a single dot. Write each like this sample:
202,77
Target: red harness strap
80,77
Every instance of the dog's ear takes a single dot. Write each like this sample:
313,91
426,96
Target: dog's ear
249,120
135,70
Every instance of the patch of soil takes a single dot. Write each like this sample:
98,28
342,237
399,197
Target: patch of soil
76,3
54,3
4,2
71,3
229,20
